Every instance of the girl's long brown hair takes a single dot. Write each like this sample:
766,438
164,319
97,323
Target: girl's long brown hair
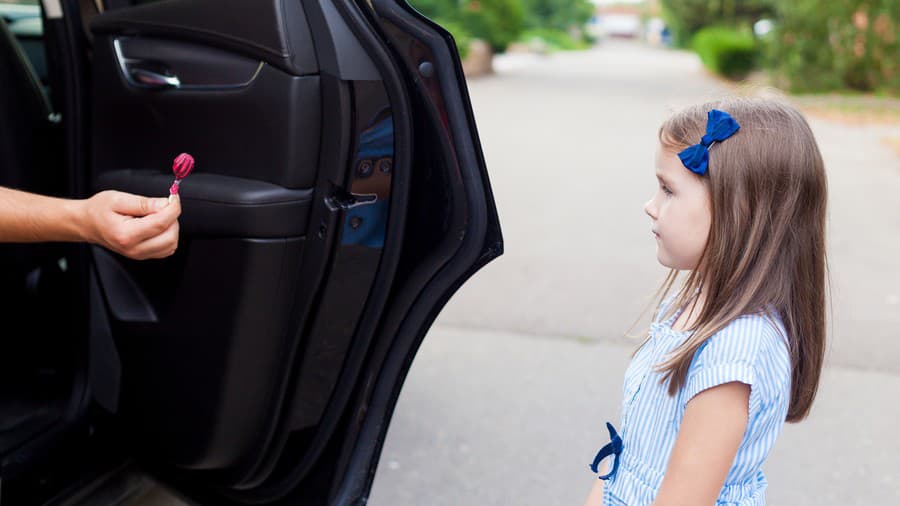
766,245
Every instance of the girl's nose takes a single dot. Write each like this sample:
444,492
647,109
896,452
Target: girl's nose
650,209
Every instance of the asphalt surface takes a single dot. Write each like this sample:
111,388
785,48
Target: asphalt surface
506,400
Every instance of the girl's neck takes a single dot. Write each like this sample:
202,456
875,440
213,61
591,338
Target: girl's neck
690,313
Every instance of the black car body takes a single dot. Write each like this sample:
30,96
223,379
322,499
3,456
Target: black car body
340,198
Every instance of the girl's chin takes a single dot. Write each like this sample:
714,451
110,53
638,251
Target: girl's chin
669,264
665,260
662,258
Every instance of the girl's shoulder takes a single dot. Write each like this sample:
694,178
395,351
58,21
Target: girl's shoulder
754,340
749,335
751,349
758,341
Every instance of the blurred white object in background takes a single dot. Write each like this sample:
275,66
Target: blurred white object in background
653,31
762,27
620,24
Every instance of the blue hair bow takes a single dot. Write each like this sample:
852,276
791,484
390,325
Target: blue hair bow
719,126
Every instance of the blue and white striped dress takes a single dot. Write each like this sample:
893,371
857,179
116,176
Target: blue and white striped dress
751,350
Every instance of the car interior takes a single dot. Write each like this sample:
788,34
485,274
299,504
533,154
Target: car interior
248,107
196,355
263,359
40,345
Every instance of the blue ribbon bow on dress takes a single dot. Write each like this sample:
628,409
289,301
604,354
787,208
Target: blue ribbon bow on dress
719,126
614,448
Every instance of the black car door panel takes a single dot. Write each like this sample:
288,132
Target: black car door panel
274,266
338,200
223,206
267,129
274,31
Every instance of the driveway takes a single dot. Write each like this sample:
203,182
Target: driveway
506,401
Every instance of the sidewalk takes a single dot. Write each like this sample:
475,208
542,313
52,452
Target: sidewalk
506,401
491,418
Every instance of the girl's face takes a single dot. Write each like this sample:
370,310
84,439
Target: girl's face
680,213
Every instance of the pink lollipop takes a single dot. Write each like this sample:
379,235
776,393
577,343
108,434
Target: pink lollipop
183,165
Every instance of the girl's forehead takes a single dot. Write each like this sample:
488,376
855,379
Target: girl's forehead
669,166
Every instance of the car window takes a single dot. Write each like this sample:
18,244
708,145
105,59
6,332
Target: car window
23,17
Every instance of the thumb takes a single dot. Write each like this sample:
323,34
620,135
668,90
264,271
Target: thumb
137,205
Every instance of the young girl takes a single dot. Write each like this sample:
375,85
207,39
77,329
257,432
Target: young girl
737,349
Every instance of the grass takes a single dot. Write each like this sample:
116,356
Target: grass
852,107
553,40
847,106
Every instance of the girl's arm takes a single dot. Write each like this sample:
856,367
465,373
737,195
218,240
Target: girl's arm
595,498
708,439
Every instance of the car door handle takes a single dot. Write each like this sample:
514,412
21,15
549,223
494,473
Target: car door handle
152,79
145,73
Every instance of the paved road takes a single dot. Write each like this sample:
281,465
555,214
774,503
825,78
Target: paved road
505,402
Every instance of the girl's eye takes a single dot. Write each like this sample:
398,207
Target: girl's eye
666,190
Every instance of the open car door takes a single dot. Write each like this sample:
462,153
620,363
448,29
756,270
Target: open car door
339,198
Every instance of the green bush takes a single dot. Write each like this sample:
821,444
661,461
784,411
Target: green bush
437,9
558,14
498,22
460,35
686,17
501,22
725,51
555,40
825,46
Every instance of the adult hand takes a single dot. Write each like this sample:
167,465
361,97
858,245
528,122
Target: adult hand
132,225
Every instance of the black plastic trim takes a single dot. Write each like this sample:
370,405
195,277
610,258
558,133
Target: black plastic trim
223,206
416,39
280,487
129,303
237,25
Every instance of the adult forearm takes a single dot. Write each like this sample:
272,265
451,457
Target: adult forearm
26,217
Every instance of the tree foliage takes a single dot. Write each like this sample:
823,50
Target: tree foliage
852,44
557,14
815,46
501,22
686,17
498,22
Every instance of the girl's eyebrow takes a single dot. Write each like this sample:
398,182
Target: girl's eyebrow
662,179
